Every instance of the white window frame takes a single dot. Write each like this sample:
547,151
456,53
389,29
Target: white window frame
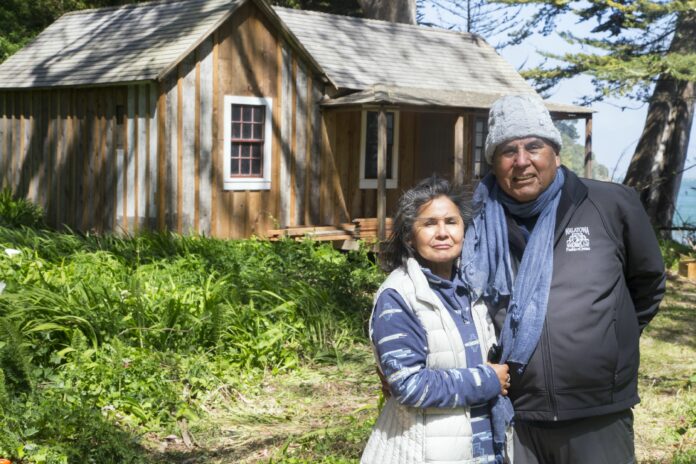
248,183
480,167
392,182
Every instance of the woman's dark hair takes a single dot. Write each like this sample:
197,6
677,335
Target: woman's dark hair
395,251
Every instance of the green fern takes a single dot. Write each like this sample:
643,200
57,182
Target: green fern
17,212
14,360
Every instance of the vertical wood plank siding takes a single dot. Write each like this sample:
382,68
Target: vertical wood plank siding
142,191
314,152
342,140
188,135
286,137
109,162
131,161
126,158
301,124
205,163
153,160
170,154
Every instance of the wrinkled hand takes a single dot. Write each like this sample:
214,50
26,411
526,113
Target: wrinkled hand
385,386
503,373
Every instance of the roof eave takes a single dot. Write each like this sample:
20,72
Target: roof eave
423,98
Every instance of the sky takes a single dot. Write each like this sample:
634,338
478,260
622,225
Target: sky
615,131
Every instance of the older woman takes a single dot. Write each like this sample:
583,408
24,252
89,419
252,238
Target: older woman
431,342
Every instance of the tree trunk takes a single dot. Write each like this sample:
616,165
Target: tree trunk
657,164
396,11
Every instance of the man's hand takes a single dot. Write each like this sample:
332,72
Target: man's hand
503,373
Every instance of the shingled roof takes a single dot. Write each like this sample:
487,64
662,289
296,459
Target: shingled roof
113,45
357,53
143,42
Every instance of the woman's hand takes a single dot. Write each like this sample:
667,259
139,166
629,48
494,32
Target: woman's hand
503,373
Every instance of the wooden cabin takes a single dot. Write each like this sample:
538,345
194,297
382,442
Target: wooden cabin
232,118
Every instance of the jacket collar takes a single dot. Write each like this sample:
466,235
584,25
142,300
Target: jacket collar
420,283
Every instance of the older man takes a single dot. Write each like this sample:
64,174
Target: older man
573,273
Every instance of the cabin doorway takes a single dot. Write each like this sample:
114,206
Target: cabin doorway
435,151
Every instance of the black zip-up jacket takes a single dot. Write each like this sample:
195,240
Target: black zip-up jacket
608,281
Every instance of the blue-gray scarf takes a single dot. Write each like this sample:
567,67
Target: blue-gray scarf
488,274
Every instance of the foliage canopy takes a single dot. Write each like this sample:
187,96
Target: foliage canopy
628,46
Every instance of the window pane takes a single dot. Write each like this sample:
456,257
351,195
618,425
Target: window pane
246,131
371,161
256,167
247,113
236,130
371,144
479,166
259,112
258,131
234,152
236,112
234,167
372,122
245,167
256,150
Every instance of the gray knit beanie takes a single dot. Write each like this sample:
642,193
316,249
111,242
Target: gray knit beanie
519,116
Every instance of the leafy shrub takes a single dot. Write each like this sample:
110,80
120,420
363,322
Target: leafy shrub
44,429
125,334
17,212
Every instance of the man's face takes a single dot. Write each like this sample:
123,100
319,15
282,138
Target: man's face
525,167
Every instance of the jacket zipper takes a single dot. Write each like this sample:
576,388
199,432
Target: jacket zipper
548,372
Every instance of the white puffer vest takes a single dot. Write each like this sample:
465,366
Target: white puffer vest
408,435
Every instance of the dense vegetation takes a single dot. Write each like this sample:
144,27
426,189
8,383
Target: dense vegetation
104,339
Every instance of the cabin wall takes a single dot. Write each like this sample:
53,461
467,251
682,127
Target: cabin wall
250,59
85,155
150,156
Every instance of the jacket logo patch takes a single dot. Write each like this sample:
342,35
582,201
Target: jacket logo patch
577,239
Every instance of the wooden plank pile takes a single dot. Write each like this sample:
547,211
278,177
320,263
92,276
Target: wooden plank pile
358,229
319,233
366,228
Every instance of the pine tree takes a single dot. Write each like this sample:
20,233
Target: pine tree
642,49
480,17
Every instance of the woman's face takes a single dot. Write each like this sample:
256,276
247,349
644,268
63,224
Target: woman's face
438,235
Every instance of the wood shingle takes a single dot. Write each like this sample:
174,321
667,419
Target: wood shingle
114,45
358,53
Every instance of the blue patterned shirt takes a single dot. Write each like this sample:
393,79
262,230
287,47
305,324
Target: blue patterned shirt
401,344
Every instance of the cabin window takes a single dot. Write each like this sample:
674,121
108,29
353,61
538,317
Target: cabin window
480,167
369,142
247,143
